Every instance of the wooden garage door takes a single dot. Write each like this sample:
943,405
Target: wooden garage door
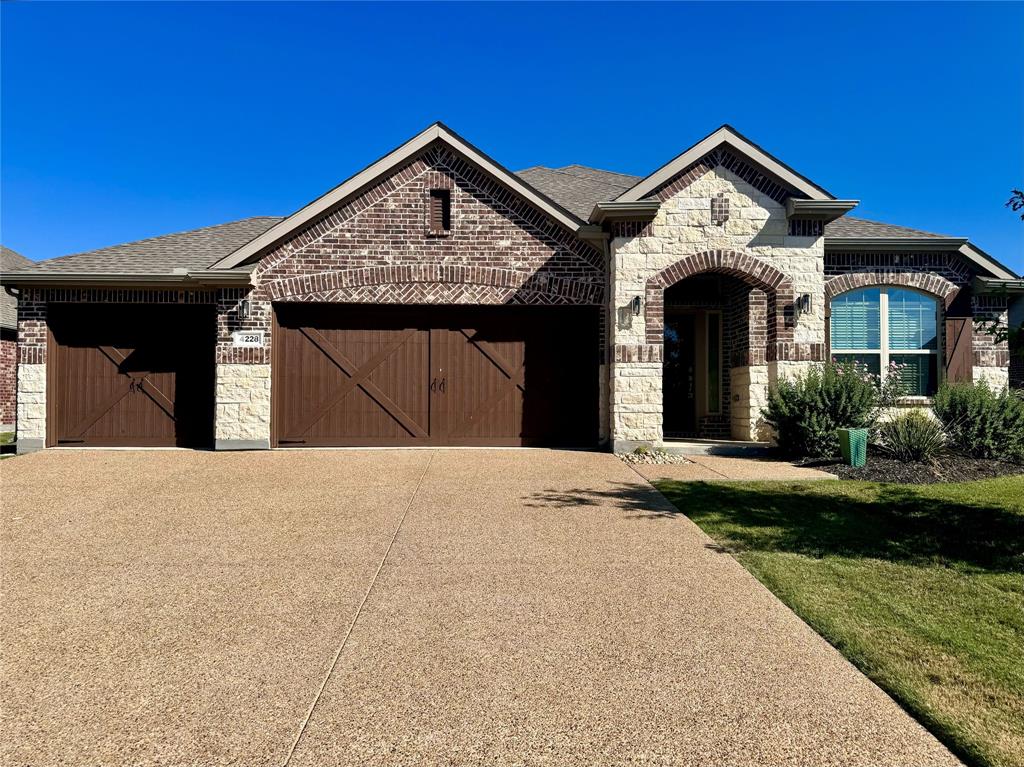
350,375
132,375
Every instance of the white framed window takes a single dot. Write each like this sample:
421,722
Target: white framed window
889,330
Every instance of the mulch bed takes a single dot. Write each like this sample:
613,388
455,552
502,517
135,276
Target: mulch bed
953,468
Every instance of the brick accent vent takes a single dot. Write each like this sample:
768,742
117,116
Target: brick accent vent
719,209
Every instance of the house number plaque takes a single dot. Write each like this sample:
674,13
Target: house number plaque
247,339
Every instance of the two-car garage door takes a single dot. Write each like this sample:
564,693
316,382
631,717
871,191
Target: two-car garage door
359,375
345,375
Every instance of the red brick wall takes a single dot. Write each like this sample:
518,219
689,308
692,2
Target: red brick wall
378,248
8,376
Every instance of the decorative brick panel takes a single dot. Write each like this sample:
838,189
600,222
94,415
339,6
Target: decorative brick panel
934,284
731,161
949,266
377,248
639,352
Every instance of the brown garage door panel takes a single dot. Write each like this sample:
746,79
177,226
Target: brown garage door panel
348,375
343,378
132,375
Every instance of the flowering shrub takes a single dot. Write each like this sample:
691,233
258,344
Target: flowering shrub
806,411
980,422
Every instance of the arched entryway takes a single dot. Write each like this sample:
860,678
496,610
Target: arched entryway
720,317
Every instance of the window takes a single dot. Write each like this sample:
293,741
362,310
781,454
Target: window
714,362
440,213
889,330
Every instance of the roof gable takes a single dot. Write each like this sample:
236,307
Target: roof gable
437,132
726,138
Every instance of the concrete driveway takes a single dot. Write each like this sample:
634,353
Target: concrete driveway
400,607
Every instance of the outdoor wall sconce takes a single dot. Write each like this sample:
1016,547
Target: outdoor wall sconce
803,304
635,306
243,309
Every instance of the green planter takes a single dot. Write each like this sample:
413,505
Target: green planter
854,445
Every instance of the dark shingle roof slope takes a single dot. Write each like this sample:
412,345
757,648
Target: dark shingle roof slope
576,187
192,250
11,261
861,227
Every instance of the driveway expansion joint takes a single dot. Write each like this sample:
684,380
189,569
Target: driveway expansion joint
355,618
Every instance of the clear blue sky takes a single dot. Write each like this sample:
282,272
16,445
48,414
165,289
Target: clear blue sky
122,121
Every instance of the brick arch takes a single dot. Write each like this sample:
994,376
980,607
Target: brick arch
926,282
436,283
753,271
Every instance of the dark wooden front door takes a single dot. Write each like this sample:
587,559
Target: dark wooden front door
132,375
679,380
354,375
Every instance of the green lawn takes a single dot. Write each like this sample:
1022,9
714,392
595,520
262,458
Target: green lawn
920,586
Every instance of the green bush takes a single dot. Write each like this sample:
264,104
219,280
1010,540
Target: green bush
980,422
806,411
912,436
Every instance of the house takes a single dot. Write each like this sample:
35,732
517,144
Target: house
437,298
10,261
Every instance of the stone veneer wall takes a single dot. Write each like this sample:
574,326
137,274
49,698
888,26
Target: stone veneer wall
757,231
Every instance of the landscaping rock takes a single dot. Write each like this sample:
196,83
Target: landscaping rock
657,457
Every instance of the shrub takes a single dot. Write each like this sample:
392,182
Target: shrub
980,422
806,411
912,436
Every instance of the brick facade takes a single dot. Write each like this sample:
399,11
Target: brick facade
720,216
8,376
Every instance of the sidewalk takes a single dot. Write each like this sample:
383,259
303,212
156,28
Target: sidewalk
717,467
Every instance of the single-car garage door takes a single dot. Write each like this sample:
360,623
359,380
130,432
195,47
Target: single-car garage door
373,375
132,375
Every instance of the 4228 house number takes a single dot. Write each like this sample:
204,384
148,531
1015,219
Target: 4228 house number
247,339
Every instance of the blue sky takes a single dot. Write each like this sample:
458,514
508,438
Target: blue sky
122,121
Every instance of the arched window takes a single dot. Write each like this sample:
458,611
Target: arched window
889,330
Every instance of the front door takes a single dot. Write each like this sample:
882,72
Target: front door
680,376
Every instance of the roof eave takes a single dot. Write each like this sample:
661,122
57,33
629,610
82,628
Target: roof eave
639,210
205,278
726,135
961,245
366,177
995,285
895,243
821,210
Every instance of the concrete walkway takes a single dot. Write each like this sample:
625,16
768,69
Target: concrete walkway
718,467
400,607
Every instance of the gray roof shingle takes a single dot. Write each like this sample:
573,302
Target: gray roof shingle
11,261
192,250
577,188
848,226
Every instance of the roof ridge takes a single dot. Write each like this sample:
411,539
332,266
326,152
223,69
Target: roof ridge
599,170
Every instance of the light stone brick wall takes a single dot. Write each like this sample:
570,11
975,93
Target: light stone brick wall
243,405
31,406
757,226
751,383
997,378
